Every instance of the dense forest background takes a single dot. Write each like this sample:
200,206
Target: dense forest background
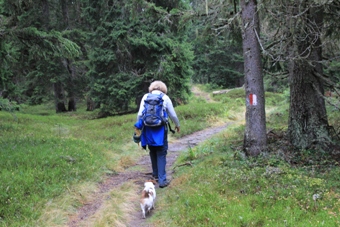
106,52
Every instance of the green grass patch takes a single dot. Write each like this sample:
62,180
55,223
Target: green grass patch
34,169
44,155
221,187
197,116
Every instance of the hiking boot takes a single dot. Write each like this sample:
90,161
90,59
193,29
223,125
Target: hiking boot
165,184
155,178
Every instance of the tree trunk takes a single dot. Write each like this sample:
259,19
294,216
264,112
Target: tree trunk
91,105
70,84
59,98
308,122
255,138
72,104
68,63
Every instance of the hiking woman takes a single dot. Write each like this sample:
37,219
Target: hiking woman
156,137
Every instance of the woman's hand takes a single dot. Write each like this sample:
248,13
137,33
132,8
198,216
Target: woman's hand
177,128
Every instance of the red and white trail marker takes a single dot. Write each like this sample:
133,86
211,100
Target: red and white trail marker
252,99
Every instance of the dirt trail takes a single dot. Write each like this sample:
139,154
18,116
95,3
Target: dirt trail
139,177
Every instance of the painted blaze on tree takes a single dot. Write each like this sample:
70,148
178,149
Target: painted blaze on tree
255,139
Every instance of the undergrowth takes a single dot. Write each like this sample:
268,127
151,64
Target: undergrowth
216,185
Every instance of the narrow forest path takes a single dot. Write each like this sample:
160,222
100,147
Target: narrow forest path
139,176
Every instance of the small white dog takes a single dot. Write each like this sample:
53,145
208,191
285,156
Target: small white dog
148,197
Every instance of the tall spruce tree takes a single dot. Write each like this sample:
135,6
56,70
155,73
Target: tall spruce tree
132,44
255,140
217,44
36,46
308,121
303,44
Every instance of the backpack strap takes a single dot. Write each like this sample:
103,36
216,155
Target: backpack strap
167,122
173,131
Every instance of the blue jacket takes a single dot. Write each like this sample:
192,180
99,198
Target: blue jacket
152,136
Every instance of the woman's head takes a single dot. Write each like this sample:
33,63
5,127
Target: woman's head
158,85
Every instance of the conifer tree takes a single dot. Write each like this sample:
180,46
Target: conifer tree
217,44
303,46
38,46
132,44
255,136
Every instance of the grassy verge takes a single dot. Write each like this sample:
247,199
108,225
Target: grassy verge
223,188
50,163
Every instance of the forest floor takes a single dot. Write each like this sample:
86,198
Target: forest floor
142,174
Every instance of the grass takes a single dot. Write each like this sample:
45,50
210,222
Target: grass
198,116
223,188
50,162
50,165
40,157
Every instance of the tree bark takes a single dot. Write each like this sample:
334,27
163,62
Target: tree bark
255,138
72,104
91,105
68,63
308,123
59,98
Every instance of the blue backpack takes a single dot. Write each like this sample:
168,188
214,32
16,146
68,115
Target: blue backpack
154,113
